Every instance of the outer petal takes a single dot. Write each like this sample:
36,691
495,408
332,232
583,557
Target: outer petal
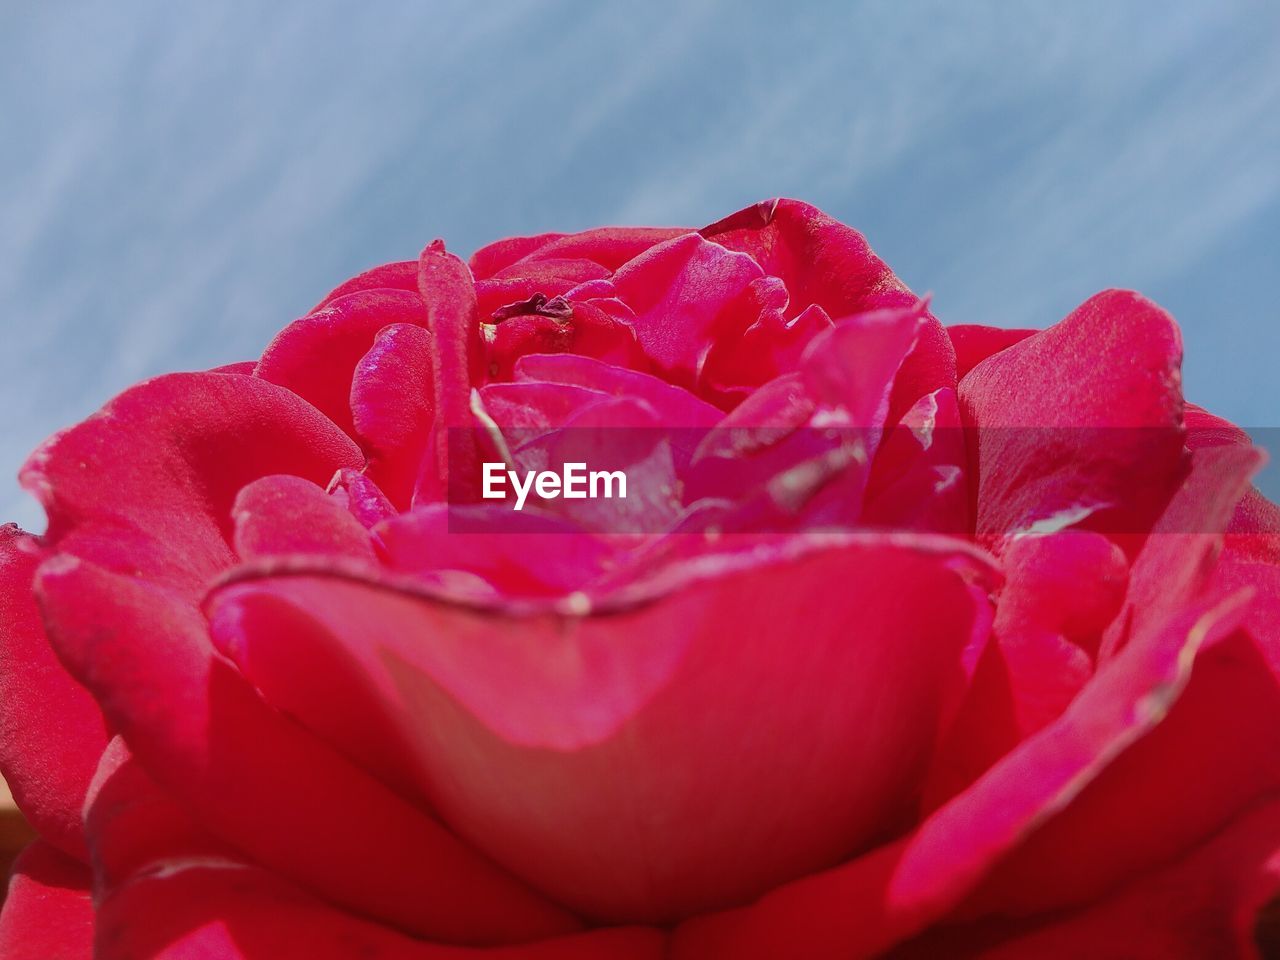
163,513
1197,773
578,750
316,356
51,731
1254,532
821,260
252,777
501,254
973,343
452,317
674,406
861,909
1204,904
610,247
1175,563
682,293
48,914
919,477
1082,420
400,275
825,263
167,889
241,913
1060,593
393,406
520,554
281,515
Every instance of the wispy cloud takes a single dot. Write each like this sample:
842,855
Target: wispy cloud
177,184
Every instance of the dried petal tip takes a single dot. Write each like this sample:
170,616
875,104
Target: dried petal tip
536,305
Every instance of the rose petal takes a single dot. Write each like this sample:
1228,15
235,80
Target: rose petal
529,408
522,554
48,914
865,906
362,497
393,407
1082,420
135,828
610,247
1175,563
501,254
578,750
919,478
316,356
282,515
244,368
1202,905
973,343
1060,593
162,513
674,406
1214,753
254,778
680,291
166,889
400,275
242,913
821,260
1254,531
51,731
447,289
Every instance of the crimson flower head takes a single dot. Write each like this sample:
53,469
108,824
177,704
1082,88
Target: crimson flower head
649,594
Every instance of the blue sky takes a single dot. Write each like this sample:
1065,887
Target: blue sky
178,181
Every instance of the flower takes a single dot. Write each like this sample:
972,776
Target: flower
936,641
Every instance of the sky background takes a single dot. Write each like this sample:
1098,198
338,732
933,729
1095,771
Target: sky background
179,181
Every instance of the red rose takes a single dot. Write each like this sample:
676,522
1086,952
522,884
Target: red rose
904,640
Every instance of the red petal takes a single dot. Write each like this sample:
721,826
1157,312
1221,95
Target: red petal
48,914
821,260
610,247
282,515
135,828
1175,563
393,407
51,731
243,368
401,275
501,254
1212,753
680,292
146,487
447,289
973,343
1254,532
674,406
521,554
316,356
166,889
254,778
242,913
862,908
1204,904
528,408
1083,418
522,335
1060,593
579,752
918,478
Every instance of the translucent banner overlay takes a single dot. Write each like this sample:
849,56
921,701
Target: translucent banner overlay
986,482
